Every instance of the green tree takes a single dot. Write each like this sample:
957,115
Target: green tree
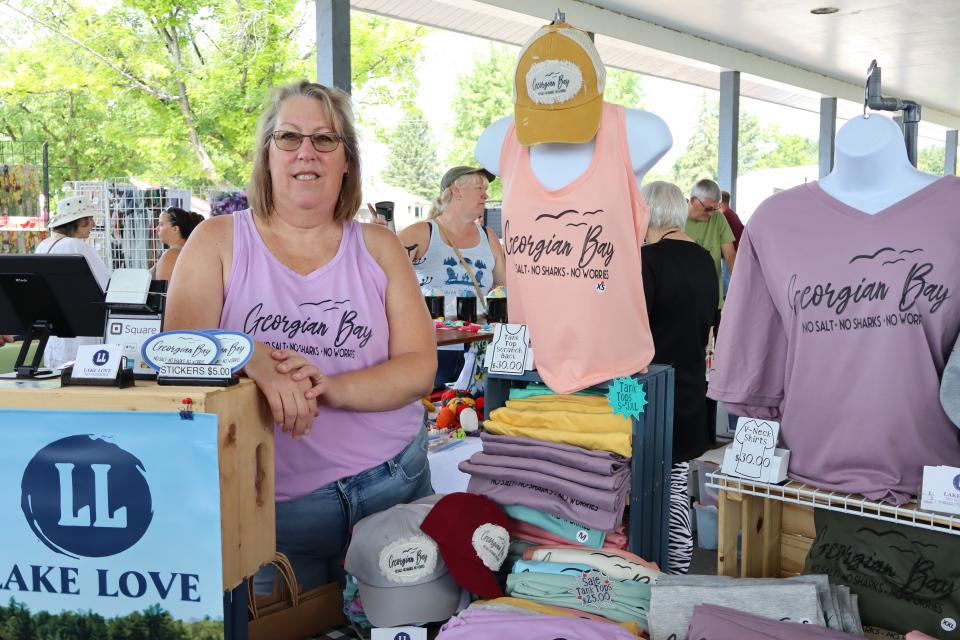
412,164
162,89
790,150
931,160
624,88
759,147
484,94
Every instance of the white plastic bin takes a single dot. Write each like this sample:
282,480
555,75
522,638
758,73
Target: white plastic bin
706,525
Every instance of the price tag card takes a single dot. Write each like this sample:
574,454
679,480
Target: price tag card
626,397
593,588
941,489
98,362
509,352
753,452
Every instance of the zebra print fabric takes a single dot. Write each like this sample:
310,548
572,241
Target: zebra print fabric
680,541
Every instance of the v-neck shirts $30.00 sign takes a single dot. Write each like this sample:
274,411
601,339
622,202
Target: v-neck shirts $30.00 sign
573,262
839,324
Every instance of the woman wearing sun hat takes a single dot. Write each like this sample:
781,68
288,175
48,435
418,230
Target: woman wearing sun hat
69,228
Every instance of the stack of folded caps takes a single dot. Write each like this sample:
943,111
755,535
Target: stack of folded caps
839,606
671,606
483,624
711,622
585,421
584,486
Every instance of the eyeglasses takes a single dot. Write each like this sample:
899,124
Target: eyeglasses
705,207
324,142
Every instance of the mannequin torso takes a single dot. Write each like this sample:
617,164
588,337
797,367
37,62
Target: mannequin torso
871,169
557,165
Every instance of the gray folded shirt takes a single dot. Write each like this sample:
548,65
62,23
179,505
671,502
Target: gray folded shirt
828,602
671,606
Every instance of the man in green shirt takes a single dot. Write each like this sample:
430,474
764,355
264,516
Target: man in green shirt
708,227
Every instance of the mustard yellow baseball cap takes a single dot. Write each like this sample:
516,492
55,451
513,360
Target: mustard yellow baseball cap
558,87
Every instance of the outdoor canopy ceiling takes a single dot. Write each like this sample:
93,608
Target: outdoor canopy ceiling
786,54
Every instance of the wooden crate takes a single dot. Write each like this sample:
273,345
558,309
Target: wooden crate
246,456
774,537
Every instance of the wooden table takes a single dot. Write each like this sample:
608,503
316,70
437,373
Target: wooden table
455,336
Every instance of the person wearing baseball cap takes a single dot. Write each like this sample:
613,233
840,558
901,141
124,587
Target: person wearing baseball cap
70,227
473,536
453,254
401,575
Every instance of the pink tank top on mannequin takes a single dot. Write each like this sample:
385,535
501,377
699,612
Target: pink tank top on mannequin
336,317
573,262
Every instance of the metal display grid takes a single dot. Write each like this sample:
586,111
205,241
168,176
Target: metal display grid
126,232
805,495
651,461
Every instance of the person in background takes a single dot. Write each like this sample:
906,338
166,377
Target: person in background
70,227
708,229
736,226
682,292
173,228
453,222
344,347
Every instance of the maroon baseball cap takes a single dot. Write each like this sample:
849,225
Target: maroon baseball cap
472,534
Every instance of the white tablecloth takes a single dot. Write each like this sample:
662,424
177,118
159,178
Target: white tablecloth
444,474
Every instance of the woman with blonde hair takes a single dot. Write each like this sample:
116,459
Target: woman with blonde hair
344,347
454,253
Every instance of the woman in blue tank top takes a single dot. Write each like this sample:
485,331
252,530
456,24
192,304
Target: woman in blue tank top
430,245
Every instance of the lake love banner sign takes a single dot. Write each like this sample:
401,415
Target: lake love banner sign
110,512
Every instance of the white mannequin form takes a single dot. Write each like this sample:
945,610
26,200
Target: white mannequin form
871,170
557,164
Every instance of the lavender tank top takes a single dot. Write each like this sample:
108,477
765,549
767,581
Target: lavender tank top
336,317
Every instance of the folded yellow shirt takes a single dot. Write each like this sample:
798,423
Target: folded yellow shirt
616,442
564,420
583,401
530,605
559,405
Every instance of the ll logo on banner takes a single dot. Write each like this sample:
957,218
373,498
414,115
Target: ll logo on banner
83,496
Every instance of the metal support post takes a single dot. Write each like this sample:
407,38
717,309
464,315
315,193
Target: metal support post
828,133
729,133
333,43
950,155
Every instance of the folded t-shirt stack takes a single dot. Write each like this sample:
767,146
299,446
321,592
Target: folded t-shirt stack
561,576
529,607
542,528
620,565
587,487
478,623
585,421
711,622
624,601
839,605
671,606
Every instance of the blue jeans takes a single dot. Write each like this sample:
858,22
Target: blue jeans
313,531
